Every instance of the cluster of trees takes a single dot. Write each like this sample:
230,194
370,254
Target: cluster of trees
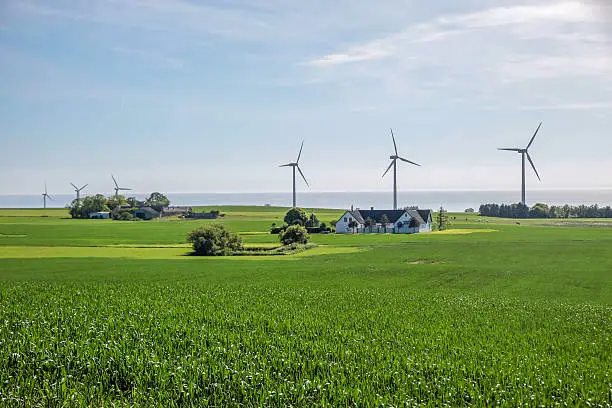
297,216
99,203
540,210
216,240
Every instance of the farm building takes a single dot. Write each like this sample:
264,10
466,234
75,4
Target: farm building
99,215
146,213
384,221
174,210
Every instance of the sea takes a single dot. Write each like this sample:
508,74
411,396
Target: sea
451,200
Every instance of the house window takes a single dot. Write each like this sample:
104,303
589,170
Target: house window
345,219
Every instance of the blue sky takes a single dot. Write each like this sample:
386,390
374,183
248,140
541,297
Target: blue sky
186,96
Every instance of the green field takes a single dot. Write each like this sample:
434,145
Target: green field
106,313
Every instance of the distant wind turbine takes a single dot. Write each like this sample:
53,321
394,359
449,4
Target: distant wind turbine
394,158
117,188
46,195
525,152
78,191
296,165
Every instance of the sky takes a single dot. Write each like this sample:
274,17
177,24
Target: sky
211,96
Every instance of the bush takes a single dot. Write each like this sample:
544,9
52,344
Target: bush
296,216
214,240
295,234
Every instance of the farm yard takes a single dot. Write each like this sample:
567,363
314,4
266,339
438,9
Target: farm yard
102,313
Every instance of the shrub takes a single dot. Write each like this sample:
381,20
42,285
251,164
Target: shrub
296,216
214,240
295,234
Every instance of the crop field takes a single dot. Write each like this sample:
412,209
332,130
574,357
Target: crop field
115,314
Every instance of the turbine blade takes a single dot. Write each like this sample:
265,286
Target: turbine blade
300,153
394,144
510,149
124,189
50,198
75,187
45,187
115,181
533,165
534,135
300,170
84,186
408,161
388,168
285,165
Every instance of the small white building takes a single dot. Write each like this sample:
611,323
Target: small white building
100,215
384,221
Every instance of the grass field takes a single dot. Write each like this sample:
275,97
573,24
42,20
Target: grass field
103,313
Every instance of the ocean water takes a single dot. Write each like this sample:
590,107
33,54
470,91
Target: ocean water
452,200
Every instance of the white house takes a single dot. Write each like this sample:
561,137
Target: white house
371,221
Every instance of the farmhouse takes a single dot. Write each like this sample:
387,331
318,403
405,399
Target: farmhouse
174,210
384,221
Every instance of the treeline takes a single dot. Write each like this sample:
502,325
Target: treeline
544,211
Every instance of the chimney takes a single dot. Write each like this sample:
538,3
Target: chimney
372,208
351,207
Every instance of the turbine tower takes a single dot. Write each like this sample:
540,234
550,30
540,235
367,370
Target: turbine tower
394,158
78,191
45,195
117,188
296,165
525,152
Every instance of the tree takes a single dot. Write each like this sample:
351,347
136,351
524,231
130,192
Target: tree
442,219
157,201
312,221
116,201
384,220
539,211
214,240
352,225
296,215
295,234
87,205
469,210
132,202
370,223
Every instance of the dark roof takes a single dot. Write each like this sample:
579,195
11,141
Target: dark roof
148,210
416,216
376,215
425,214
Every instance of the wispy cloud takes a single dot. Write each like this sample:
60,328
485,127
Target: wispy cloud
443,27
571,106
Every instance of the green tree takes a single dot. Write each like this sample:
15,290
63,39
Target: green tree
87,205
295,234
296,215
539,210
312,221
352,225
442,219
214,240
384,220
157,201
370,223
132,202
115,201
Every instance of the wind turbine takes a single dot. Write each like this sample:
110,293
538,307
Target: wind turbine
394,158
296,165
525,152
78,191
45,195
117,188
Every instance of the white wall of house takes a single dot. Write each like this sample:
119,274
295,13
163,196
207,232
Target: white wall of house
342,226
